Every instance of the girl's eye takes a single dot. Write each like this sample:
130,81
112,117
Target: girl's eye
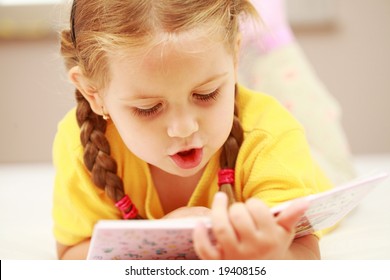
207,97
147,112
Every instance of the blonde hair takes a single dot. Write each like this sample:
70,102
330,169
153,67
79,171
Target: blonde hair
101,27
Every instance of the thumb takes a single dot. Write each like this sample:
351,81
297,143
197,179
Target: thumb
289,217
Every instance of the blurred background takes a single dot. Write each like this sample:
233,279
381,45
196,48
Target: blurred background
346,41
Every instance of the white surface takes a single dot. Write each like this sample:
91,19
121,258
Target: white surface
365,232
25,212
26,226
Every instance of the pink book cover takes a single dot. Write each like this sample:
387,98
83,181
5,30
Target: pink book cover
171,239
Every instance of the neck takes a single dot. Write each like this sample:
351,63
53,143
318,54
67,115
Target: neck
174,191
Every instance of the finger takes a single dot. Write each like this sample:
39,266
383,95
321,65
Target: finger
259,212
289,217
222,228
203,246
242,221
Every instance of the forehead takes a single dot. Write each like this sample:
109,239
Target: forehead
168,49
194,41
176,61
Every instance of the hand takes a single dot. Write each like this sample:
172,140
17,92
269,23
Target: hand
247,230
186,212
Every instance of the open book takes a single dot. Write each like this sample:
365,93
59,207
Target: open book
172,238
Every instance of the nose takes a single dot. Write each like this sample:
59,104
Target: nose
182,124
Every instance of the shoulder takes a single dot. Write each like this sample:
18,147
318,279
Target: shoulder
262,113
67,138
271,134
69,124
274,161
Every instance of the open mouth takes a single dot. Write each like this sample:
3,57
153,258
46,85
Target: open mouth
188,159
187,153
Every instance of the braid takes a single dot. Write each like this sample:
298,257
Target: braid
97,156
96,147
230,150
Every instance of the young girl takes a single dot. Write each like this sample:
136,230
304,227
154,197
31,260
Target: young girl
162,129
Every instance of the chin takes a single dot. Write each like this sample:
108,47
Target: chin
187,172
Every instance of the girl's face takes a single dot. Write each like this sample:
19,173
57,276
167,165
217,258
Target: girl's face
174,105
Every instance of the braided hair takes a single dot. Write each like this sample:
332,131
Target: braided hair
228,157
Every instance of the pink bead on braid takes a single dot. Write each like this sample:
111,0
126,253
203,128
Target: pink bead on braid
226,176
124,204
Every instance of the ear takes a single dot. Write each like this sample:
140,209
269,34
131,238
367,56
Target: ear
89,92
237,49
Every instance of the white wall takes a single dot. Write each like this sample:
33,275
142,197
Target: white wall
34,94
353,60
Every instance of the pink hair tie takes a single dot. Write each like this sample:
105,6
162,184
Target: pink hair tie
124,204
225,176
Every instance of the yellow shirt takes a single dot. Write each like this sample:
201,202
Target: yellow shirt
273,164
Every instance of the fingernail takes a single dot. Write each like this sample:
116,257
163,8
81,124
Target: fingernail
219,197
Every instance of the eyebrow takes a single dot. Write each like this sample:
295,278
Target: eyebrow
215,77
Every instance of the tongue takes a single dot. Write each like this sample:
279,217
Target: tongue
188,159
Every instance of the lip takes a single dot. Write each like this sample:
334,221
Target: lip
188,158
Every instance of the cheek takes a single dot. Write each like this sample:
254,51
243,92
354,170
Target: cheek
144,145
220,122
138,135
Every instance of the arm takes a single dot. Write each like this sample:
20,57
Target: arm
250,231
75,252
185,212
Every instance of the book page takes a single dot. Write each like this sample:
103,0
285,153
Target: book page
172,238
327,208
